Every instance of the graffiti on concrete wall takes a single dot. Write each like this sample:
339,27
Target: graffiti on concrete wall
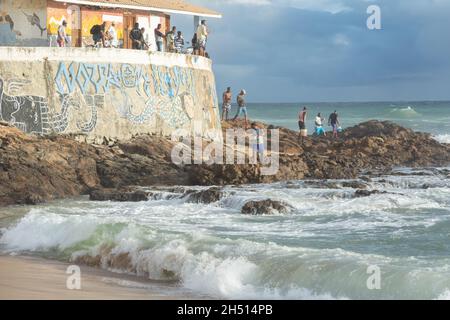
83,93
136,92
28,112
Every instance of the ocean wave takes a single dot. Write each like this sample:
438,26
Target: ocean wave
404,112
216,266
442,138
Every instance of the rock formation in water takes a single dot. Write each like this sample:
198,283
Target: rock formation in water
35,169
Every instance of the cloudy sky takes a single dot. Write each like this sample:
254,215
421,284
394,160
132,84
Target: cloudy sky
322,50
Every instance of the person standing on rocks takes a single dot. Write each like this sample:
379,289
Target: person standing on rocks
333,121
258,143
242,107
226,107
302,124
319,125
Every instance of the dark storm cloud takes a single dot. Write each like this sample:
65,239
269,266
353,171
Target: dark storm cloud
304,50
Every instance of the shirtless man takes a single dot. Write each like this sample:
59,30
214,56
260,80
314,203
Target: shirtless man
301,123
226,107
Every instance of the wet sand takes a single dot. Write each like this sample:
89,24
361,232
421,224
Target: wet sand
34,278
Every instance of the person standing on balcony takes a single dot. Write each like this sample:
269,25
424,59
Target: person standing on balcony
159,36
179,42
98,34
195,44
170,38
202,37
144,44
62,39
112,36
135,36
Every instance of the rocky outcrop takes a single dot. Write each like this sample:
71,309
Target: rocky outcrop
119,195
370,146
267,206
210,195
36,169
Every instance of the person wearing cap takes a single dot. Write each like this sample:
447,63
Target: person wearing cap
62,39
242,107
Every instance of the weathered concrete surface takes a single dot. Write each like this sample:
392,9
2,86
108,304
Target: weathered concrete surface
97,93
23,23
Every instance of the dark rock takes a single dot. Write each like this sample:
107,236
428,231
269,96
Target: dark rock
267,206
322,184
367,193
354,184
125,195
210,195
366,179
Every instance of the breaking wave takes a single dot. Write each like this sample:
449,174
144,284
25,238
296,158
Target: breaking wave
320,250
406,112
442,138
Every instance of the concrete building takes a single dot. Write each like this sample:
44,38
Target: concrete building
35,23
100,93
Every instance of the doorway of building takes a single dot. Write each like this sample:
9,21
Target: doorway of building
128,24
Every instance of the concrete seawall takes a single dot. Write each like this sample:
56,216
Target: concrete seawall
106,93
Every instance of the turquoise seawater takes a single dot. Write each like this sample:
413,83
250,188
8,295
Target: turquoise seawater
433,117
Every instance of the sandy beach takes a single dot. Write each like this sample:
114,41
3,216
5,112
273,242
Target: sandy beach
34,278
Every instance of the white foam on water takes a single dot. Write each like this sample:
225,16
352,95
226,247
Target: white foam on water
212,249
442,138
444,295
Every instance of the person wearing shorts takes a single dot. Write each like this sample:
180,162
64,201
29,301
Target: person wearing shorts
301,123
333,121
258,145
226,107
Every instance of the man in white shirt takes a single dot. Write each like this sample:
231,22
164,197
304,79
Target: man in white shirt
112,36
202,36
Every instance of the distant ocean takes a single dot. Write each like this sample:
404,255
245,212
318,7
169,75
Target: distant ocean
432,117
326,248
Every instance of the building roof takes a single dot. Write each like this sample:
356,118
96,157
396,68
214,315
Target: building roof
167,6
